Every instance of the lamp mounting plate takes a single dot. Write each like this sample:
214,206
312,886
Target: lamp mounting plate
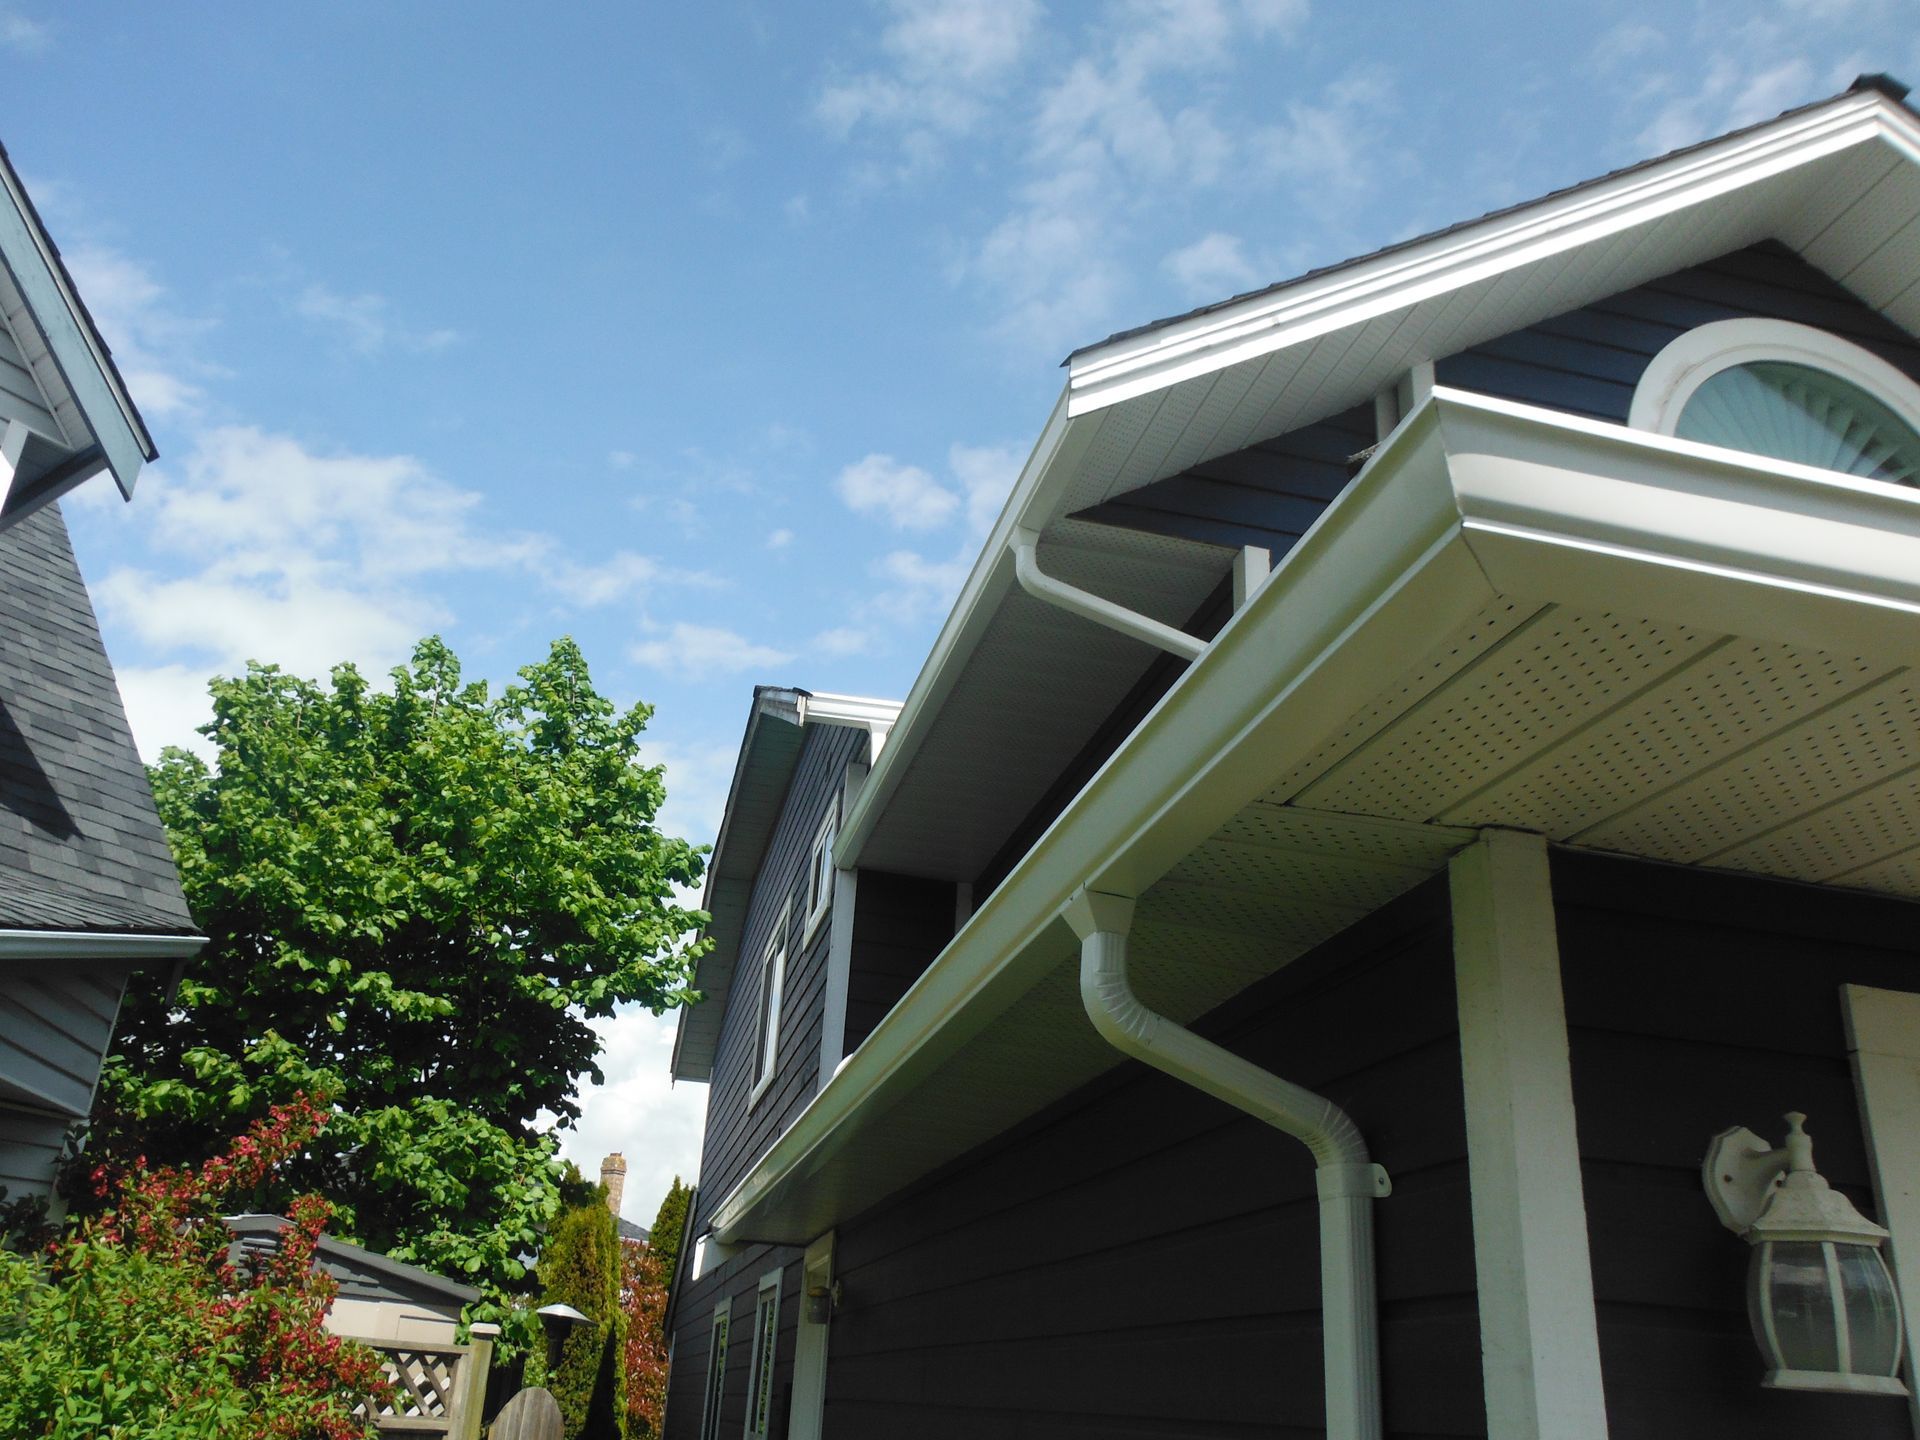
1741,1172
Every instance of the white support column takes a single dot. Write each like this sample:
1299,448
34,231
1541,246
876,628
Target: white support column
1883,1034
808,1415
1539,1338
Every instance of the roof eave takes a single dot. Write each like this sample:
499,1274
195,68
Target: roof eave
1449,514
67,328
1265,321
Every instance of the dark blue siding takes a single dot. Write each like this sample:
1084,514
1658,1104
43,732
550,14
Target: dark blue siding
1586,362
1141,1260
901,923
1696,1002
738,1133
1589,360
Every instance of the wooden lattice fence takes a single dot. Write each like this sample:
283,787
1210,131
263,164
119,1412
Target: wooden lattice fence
437,1389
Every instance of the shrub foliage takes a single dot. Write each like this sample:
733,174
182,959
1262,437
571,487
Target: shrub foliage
137,1325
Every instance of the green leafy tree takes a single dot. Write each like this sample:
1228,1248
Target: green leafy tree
417,900
580,1266
668,1223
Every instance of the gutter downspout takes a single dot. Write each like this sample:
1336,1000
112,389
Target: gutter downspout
1347,1179
1043,587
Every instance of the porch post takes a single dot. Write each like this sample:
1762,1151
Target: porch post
1539,1340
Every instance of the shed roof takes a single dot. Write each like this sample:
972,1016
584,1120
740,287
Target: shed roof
363,1274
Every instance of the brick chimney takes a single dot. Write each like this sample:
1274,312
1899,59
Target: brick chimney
613,1175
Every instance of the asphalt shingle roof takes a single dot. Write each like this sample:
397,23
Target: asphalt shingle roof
81,846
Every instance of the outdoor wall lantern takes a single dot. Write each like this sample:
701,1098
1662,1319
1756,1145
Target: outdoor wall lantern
1819,1295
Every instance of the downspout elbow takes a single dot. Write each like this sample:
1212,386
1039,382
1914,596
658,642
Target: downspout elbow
1097,608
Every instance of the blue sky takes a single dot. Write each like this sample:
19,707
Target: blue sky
714,335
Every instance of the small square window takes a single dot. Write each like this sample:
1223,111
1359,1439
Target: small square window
820,869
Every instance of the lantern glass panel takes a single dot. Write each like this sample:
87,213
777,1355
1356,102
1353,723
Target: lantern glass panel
1789,1279
1873,1315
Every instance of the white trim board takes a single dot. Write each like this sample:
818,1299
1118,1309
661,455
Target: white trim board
1539,1336
1883,1039
1468,500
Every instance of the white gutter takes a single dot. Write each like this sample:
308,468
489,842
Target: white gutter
1467,499
1097,608
1347,1179
95,945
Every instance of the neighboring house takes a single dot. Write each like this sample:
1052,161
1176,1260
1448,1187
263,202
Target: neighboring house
88,890
1475,683
613,1179
380,1298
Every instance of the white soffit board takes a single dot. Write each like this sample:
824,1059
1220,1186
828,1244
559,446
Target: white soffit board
1422,606
1036,685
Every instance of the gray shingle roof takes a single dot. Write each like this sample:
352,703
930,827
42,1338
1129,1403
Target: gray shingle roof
81,847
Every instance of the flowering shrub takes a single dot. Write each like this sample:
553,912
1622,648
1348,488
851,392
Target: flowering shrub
643,1354
138,1323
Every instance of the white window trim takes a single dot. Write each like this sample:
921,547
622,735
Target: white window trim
718,1333
768,1282
819,886
766,1037
1692,359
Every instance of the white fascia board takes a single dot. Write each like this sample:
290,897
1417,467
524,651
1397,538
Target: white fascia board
1049,469
1352,294
1558,507
855,711
95,945
1384,561
1468,499
70,336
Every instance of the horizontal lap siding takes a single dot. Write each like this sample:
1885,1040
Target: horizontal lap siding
1586,361
739,1133
901,923
1696,1002
1141,1260
1589,360
56,1018
737,1281
29,1151
1266,495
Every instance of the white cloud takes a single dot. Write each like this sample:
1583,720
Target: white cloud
986,474
944,61
622,459
165,705
701,652
779,539
364,323
23,36
905,495
841,641
151,344
639,1112
1212,268
699,775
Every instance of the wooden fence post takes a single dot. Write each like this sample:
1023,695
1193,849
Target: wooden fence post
471,1392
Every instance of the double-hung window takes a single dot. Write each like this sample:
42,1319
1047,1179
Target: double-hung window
820,868
766,1335
773,974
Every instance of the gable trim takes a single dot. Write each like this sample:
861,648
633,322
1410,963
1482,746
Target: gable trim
1348,294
